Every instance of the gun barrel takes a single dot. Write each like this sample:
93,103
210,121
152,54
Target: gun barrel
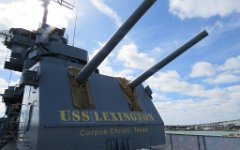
113,41
144,76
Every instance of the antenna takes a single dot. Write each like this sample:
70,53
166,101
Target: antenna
45,13
65,4
75,27
60,2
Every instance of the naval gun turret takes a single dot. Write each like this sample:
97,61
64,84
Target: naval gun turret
64,103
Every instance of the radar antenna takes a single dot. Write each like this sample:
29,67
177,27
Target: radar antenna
45,6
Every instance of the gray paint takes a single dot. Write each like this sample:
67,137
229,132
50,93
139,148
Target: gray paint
53,94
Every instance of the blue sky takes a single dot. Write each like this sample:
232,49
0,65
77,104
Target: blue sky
202,85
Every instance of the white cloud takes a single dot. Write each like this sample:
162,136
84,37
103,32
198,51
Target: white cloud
107,11
4,54
106,67
28,14
229,72
232,64
2,109
207,109
129,50
59,16
194,112
3,86
214,93
132,58
196,100
203,8
157,49
224,78
169,81
218,25
234,92
202,69
157,97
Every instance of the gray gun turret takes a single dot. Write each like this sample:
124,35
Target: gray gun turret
114,40
144,76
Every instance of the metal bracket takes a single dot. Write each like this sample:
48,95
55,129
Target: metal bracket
80,92
130,95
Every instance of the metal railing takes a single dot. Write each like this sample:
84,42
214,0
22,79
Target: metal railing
198,142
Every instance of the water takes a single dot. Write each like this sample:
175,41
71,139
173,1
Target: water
207,133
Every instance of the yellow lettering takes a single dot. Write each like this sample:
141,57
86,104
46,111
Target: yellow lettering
75,116
150,117
97,118
126,116
139,117
120,116
114,116
133,117
85,116
145,117
106,116
63,115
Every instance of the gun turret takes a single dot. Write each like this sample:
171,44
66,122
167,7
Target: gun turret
113,41
144,76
